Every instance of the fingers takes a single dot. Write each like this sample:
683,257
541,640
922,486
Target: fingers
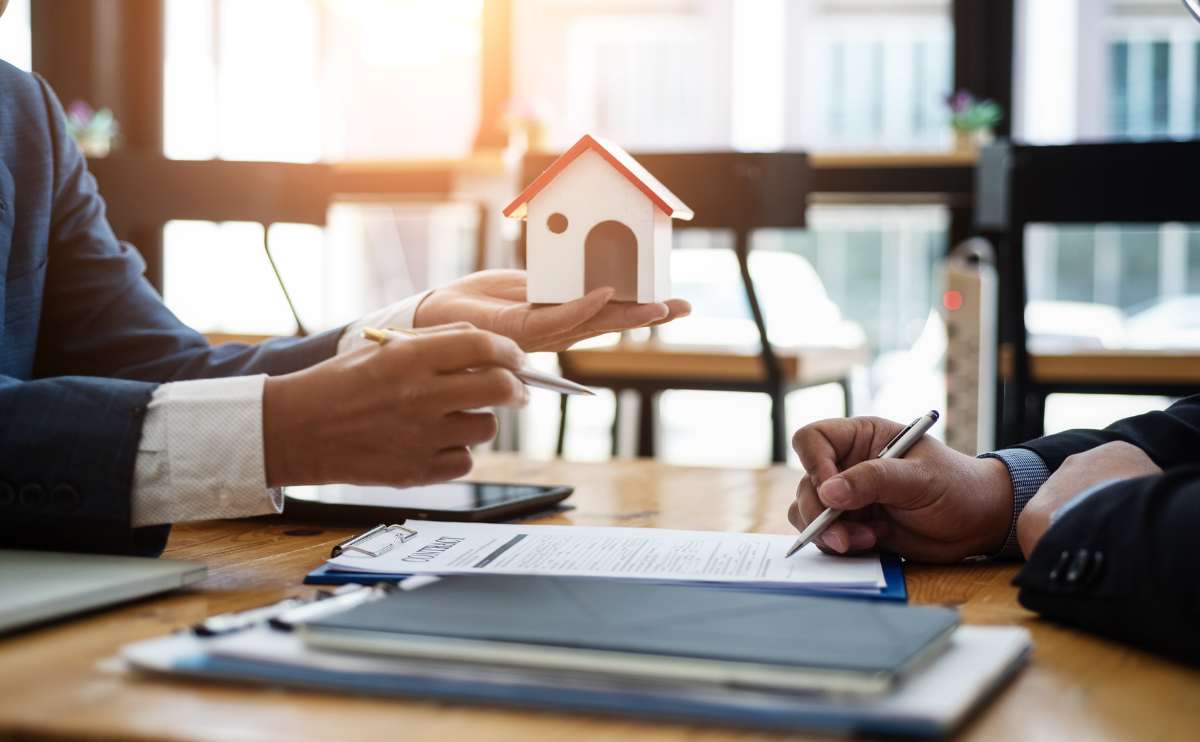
896,483
460,349
822,445
807,505
676,308
842,536
627,316
828,446
849,537
614,318
463,429
490,387
440,328
559,319
450,463
612,322
622,315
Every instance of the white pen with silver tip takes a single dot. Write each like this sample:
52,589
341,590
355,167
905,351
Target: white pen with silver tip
894,449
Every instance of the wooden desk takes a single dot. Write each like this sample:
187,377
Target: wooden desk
1108,367
56,681
717,363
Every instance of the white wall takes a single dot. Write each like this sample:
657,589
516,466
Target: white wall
15,45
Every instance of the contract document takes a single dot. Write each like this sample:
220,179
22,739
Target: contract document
661,555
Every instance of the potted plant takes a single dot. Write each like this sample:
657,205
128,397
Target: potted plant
972,119
94,131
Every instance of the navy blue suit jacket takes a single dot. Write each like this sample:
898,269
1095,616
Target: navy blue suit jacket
84,341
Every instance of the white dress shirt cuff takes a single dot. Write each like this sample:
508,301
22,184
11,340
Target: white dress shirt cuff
201,453
400,315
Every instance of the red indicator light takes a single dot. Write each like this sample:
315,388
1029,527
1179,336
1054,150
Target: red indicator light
952,300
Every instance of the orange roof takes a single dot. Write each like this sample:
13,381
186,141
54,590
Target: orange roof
624,163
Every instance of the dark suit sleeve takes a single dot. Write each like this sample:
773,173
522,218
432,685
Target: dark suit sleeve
1170,437
1125,563
100,317
69,436
67,448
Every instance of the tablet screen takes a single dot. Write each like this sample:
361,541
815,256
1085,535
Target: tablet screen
444,496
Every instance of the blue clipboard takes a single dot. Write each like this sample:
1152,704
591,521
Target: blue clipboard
893,575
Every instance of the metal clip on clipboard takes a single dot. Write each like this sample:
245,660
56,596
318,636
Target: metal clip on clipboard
362,543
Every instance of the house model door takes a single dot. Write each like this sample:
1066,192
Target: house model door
610,258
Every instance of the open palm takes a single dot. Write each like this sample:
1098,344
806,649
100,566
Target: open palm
495,300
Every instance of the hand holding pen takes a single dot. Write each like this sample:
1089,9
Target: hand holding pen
893,449
401,414
934,504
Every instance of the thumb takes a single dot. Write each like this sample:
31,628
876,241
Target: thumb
895,483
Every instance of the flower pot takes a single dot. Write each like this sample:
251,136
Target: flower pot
970,140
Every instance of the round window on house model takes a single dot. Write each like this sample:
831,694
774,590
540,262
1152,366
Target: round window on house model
557,223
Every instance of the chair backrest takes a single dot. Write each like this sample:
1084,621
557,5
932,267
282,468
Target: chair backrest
786,284
1126,182
1148,182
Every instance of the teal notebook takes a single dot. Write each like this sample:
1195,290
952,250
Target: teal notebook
646,631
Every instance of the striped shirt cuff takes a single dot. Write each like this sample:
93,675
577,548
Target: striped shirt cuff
1028,473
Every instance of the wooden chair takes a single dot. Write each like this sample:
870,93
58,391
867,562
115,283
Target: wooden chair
738,193
1126,182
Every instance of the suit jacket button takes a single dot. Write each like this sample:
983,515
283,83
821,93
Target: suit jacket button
65,498
8,495
1096,569
1060,567
1079,566
30,496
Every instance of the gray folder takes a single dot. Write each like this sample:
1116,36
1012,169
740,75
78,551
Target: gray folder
665,633
37,586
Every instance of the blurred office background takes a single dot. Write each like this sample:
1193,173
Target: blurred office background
376,141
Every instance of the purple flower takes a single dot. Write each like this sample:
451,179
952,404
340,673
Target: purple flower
80,112
960,101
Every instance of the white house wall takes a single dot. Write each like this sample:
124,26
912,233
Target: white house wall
662,261
588,191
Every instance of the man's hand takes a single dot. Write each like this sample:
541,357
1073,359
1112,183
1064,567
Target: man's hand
933,505
397,414
1110,462
494,300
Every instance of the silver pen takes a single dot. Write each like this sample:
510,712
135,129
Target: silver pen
895,448
343,601
529,376
227,623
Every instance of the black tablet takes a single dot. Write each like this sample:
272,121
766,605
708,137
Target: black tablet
457,501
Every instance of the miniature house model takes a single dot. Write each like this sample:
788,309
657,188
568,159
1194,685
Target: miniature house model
597,218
